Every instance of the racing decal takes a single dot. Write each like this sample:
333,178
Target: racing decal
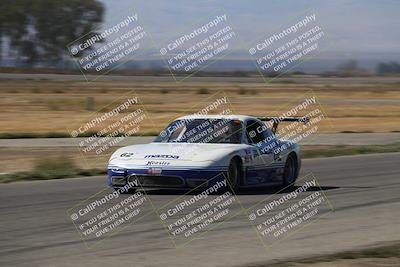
248,157
126,155
162,156
155,162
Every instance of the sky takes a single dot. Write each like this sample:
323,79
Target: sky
354,26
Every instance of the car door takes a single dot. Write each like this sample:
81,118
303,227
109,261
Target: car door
262,169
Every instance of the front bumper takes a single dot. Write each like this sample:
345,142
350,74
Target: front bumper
168,179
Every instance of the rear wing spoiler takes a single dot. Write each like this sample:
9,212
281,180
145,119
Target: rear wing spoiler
277,120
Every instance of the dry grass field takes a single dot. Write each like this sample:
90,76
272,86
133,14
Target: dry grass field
31,106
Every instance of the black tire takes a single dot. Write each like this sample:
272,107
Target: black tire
233,176
290,171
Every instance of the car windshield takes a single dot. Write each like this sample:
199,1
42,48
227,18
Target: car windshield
202,131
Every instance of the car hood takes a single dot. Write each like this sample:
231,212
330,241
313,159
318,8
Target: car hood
172,154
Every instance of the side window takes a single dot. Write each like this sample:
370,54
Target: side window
254,132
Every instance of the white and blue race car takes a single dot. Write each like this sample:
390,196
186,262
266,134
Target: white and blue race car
199,150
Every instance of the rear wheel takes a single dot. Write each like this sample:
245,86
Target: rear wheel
233,176
290,171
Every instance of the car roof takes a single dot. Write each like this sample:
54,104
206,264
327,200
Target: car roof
227,117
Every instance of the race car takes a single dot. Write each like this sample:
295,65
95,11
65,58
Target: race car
197,151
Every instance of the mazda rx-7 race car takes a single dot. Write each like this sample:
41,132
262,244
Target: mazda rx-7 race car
198,151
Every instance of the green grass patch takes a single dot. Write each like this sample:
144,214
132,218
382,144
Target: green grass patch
386,251
342,150
51,168
203,91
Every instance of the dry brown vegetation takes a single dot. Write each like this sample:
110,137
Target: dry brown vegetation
60,106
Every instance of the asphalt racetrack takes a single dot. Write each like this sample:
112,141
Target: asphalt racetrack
363,190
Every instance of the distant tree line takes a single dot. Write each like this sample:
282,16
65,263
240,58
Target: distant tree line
351,68
37,31
388,68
